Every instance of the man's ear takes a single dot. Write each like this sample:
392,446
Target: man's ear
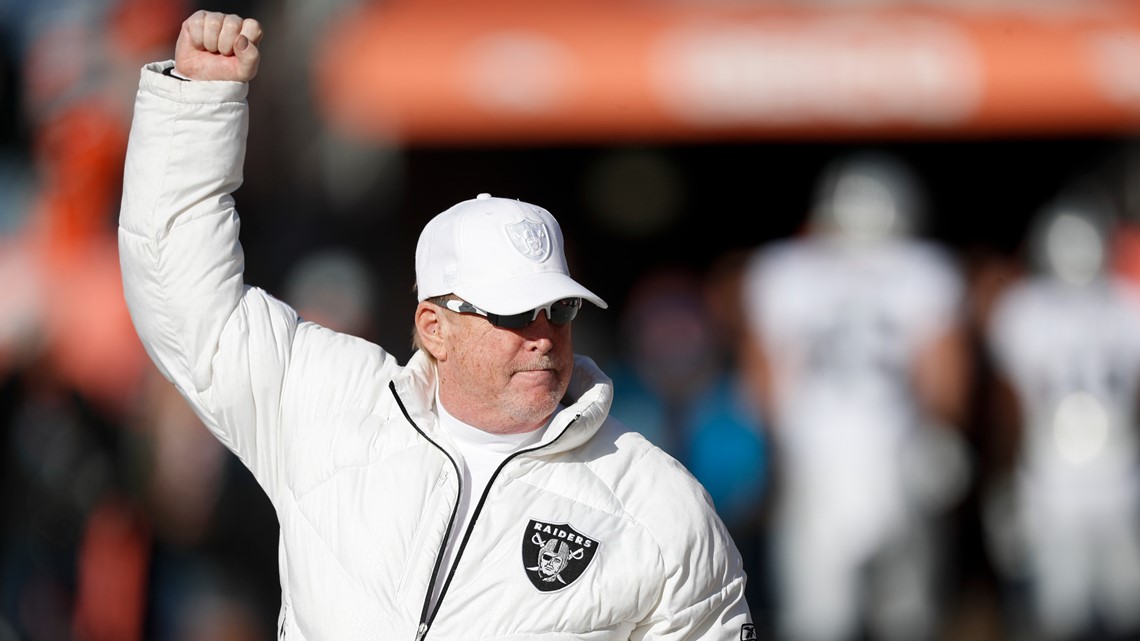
429,328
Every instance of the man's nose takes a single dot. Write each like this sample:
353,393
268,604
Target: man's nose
541,332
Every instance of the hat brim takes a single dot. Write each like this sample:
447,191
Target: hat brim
525,293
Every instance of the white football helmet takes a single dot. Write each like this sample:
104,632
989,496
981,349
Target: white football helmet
868,196
1070,237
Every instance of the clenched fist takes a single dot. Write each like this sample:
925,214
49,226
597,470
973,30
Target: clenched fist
216,46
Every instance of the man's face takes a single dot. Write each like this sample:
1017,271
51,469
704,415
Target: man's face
504,380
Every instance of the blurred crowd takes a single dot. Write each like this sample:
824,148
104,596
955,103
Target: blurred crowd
908,443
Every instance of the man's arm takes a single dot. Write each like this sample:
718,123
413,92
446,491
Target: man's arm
702,580
224,345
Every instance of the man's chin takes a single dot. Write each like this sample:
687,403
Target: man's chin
540,399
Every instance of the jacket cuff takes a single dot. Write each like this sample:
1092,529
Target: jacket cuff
156,80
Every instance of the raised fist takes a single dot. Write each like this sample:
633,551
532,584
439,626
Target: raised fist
217,46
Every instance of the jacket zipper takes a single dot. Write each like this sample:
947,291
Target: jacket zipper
426,619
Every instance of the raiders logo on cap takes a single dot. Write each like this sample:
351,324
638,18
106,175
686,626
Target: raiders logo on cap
531,238
555,554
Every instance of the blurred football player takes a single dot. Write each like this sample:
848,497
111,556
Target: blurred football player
857,355
1066,343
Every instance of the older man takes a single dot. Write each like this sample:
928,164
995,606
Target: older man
416,500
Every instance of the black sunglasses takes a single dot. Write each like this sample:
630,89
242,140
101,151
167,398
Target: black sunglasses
559,312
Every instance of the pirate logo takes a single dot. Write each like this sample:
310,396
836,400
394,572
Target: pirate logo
555,554
531,239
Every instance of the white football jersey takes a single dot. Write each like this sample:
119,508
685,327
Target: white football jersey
841,327
1072,354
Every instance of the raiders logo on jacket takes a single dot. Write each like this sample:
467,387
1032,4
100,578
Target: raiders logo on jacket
555,554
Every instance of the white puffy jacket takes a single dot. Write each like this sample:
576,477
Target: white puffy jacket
344,441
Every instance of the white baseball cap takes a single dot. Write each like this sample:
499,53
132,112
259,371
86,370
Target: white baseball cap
503,256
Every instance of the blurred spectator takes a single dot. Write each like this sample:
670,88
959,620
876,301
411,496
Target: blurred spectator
190,488
676,379
858,360
1066,342
671,356
62,463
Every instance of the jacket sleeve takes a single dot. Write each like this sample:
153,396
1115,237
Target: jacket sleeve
224,345
703,588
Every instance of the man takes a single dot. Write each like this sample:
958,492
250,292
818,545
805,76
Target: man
1061,514
414,501
856,351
